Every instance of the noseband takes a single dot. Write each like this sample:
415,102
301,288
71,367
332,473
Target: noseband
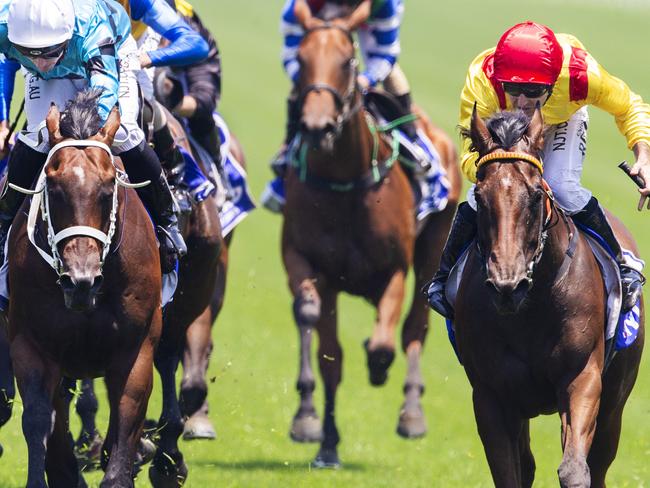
342,101
40,201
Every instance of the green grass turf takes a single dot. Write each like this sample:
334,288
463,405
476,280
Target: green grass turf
254,363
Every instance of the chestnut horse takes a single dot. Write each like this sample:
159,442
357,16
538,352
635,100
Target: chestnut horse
201,280
349,226
85,297
530,317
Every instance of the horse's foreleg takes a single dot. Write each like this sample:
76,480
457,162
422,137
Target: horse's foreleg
128,382
88,446
37,382
617,386
198,344
61,464
194,388
380,347
330,360
501,432
578,402
306,426
168,468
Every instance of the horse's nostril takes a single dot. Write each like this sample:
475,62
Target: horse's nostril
490,283
66,281
97,282
522,287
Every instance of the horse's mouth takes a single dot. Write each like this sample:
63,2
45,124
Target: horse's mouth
80,295
506,300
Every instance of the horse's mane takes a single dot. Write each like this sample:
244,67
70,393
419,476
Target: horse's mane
506,128
80,118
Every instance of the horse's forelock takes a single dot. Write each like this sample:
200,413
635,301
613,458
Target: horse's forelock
80,118
507,128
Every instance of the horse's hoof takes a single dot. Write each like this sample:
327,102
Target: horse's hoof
379,360
168,478
198,426
411,424
145,453
88,451
306,428
192,397
326,459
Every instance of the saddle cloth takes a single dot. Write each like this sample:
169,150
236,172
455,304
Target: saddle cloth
623,328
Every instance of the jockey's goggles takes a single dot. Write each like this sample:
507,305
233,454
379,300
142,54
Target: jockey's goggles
529,90
50,52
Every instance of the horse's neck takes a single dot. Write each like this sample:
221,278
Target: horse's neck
352,153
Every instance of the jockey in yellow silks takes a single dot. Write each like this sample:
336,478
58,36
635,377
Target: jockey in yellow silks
532,65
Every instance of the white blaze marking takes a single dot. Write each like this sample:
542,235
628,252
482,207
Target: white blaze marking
79,172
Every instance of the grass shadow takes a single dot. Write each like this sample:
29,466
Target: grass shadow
262,465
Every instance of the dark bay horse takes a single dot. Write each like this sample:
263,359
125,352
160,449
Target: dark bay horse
86,301
349,226
530,317
201,283
198,343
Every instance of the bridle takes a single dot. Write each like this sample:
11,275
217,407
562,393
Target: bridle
343,101
40,201
549,209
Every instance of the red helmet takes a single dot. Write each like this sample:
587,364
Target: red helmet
528,53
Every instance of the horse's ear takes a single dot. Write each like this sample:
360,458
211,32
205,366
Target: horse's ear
52,122
112,124
536,128
481,138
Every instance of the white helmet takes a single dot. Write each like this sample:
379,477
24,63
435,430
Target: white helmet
40,23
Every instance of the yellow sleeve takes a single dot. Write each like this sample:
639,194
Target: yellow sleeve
479,90
611,94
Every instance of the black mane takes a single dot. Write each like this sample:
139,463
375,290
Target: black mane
507,128
80,119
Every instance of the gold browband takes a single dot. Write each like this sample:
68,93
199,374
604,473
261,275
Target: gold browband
511,155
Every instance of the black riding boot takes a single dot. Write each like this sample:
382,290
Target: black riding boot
141,163
593,217
170,156
211,142
24,164
462,232
279,163
164,214
9,205
407,127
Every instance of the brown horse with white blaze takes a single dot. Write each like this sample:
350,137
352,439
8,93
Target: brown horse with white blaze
530,317
349,226
85,304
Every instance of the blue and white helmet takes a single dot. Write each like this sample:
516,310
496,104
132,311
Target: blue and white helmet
40,23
